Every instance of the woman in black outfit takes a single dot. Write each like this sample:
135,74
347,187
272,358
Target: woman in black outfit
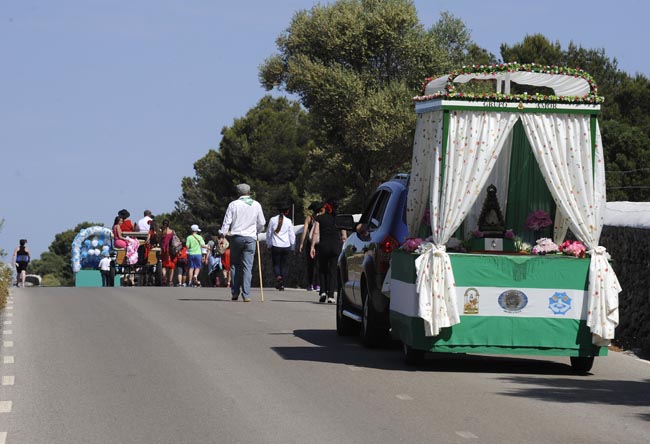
327,238
21,258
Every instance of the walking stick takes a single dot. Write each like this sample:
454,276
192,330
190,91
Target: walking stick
259,264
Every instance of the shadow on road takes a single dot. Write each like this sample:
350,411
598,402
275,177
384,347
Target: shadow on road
334,349
205,300
586,391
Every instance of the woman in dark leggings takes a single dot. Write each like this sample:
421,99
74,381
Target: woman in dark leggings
327,239
21,258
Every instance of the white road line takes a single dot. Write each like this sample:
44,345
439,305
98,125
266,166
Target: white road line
8,380
8,322
404,397
9,307
3,437
7,344
467,435
9,315
5,406
7,332
7,359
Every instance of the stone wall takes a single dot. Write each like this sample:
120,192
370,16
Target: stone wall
629,249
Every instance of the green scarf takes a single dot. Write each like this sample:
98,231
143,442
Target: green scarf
247,200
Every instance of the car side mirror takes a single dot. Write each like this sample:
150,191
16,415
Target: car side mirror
344,222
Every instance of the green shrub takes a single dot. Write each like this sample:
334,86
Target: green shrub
50,280
5,283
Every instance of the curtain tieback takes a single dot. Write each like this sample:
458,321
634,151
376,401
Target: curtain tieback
599,251
434,249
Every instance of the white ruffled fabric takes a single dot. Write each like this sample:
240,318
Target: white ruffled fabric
437,303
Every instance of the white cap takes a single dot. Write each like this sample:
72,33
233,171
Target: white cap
195,227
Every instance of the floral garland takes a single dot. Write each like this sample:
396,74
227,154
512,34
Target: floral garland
452,93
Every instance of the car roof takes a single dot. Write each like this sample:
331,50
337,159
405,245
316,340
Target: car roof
400,180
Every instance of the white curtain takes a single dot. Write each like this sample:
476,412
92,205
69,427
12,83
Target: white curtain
428,141
560,226
561,144
474,143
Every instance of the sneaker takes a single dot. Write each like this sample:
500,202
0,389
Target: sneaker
234,297
331,301
246,299
323,298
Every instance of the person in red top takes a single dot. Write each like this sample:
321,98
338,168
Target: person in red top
181,267
127,225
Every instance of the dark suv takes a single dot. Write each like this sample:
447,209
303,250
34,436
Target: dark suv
365,259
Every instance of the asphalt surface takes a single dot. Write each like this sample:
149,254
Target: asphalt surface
185,365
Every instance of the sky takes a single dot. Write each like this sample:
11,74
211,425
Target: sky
107,104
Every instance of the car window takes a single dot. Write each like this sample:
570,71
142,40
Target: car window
367,213
377,215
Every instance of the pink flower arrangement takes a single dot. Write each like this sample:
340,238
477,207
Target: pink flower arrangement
573,248
537,220
411,244
544,246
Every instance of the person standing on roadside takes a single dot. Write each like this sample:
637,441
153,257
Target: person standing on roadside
280,239
21,258
166,257
244,218
329,240
181,267
105,269
305,243
195,245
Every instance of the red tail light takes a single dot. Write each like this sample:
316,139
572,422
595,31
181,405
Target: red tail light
389,244
386,247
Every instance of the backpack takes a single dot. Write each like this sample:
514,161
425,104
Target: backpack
175,245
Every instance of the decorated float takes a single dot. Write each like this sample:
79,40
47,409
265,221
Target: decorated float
139,267
507,159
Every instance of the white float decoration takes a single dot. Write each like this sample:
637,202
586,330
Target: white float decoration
81,245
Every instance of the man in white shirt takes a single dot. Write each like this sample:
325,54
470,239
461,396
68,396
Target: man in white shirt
143,224
105,270
244,218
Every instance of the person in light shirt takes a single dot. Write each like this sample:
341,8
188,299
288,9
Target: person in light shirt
280,239
143,224
243,220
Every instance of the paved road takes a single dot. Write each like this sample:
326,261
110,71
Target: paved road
160,365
